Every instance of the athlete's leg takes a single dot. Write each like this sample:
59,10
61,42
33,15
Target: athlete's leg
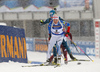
59,42
64,53
50,46
64,43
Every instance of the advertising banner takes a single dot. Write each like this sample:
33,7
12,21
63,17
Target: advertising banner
45,5
76,4
86,46
30,44
41,45
12,44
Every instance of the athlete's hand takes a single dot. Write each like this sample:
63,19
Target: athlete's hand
41,21
64,29
49,37
66,35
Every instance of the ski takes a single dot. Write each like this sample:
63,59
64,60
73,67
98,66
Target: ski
35,65
77,60
57,65
43,64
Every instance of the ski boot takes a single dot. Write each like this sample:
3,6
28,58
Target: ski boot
72,57
55,61
59,61
65,61
48,61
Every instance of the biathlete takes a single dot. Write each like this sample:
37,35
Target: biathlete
64,43
56,29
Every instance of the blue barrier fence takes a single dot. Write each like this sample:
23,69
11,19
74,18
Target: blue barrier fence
41,46
30,44
86,46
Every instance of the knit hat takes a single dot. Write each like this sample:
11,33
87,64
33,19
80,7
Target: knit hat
51,13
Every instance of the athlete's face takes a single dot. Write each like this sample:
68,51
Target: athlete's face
55,21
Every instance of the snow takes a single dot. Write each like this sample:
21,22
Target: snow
44,8
18,9
31,8
2,23
41,57
4,9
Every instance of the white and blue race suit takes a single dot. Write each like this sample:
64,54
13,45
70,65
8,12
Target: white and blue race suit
57,36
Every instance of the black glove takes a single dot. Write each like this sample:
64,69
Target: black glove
49,37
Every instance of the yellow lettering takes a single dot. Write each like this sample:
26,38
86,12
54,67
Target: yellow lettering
20,48
10,46
45,48
36,47
25,51
16,47
41,47
3,44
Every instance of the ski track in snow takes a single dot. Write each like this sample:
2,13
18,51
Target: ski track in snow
41,57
